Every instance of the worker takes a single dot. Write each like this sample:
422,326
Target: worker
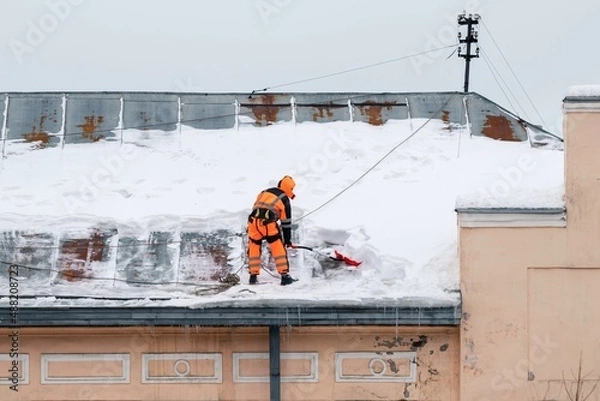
271,220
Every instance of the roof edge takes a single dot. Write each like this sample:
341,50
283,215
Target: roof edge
445,315
581,98
233,93
510,210
509,217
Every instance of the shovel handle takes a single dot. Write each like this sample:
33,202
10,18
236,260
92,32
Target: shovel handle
308,248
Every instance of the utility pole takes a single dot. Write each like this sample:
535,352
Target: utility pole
472,22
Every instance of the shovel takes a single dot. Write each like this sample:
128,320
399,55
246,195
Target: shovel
335,256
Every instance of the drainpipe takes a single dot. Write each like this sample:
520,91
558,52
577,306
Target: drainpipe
275,363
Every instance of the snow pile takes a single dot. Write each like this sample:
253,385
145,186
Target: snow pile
398,219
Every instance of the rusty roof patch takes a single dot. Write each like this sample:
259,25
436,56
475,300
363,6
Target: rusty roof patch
265,109
72,259
322,112
373,111
265,115
38,134
91,125
446,120
499,127
77,254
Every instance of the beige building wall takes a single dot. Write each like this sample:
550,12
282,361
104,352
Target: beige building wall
319,363
531,294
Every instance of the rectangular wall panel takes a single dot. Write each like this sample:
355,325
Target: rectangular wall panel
85,368
253,367
6,364
376,367
182,368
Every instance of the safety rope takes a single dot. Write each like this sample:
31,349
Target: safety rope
377,163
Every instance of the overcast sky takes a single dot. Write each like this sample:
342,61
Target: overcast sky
242,45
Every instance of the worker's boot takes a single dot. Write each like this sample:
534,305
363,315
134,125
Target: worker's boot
286,279
253,279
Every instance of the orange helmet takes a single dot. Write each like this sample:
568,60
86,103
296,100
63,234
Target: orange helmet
287,185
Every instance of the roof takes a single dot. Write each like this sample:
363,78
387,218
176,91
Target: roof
133,205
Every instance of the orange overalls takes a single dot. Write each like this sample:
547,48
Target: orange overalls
271,205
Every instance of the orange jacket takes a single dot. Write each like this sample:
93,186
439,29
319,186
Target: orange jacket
272,205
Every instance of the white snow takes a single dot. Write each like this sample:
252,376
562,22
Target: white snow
590,90
399,220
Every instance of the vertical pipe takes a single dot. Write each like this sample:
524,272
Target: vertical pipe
55,273
177,254
236,124
275,363
114,254
409,113
467,119
5,126
121,113
351,110
63,129
179,105
293,108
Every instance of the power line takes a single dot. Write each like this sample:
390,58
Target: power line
333,74
496,74
162,124
513,72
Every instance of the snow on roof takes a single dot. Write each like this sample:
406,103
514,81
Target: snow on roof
583,91
399,219
508,175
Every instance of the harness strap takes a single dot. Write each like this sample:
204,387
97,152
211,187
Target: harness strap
267,206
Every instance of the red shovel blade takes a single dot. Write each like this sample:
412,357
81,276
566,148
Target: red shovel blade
346,259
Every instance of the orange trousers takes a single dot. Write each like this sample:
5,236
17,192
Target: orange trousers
259,230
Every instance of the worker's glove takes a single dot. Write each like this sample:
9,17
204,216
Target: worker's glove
288,244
